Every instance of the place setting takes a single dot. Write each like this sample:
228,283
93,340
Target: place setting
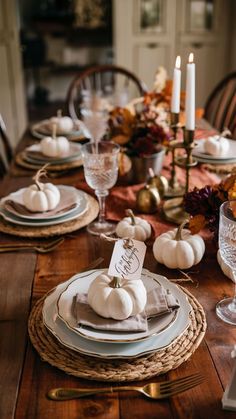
129,322
55,150
216,149
72,129
44,209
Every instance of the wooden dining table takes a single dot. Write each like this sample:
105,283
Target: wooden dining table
26,276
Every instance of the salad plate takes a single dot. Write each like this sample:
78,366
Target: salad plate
112,350
76,198
156,325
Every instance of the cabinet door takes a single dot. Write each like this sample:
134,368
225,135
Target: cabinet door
202,28
144,36
12,99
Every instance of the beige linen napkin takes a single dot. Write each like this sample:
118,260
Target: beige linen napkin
67,202
159,303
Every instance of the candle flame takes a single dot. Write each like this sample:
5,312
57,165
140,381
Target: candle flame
190,58
178,62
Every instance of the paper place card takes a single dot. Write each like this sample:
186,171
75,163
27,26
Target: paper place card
127,259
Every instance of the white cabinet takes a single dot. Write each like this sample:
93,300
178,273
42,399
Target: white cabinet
150,33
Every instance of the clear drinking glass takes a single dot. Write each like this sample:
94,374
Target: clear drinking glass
94,114
100,163
226,308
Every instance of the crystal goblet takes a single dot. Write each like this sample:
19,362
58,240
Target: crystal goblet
100,163
226,308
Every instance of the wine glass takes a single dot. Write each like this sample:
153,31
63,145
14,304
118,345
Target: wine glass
226,308
100,163
94,114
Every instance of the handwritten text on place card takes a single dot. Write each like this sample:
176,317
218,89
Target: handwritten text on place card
127,259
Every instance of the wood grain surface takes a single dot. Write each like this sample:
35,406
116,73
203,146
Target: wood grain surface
25,379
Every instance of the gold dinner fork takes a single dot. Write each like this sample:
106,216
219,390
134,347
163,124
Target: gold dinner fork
40,248
152,390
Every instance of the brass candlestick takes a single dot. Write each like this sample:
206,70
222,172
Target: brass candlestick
175,188
173,208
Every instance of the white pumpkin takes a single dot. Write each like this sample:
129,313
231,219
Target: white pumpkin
133,227
118,298
224,267
41,197
55,146
178,248
64,124
216,145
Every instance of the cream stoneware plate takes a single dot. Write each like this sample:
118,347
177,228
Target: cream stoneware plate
155,325
78,343
79,198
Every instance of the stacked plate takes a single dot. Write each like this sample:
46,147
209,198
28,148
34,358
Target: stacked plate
72,205
43,128
162,331
201,156
33,158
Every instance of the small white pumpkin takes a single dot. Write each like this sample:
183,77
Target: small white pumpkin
178,248
41,197
64,124
224,267
117,298
55,146
133,227
216,145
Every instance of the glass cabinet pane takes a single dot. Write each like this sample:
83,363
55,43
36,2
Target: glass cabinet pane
201,13
151,17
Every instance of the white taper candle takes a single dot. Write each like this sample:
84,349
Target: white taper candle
175,98
190,94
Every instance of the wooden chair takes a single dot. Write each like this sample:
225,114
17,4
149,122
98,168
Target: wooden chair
105,81
5,149
220,108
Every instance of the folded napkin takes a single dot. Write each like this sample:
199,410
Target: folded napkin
67,202
159,302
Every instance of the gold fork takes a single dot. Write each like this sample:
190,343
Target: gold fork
152,390
40,248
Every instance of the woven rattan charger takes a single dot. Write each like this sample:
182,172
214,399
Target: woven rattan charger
21,160
54,230
76,364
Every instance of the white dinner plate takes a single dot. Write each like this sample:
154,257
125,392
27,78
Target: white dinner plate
80,344
79,197
73,154
156,325
200,154
42,129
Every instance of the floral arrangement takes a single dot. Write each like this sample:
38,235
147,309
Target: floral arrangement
203,204
142,132
142,127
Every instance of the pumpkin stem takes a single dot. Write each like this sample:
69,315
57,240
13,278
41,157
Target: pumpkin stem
225,132
54,131
130,214
178,235
115,283
40,173
59,113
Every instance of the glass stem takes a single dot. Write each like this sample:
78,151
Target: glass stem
233,304
101,195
